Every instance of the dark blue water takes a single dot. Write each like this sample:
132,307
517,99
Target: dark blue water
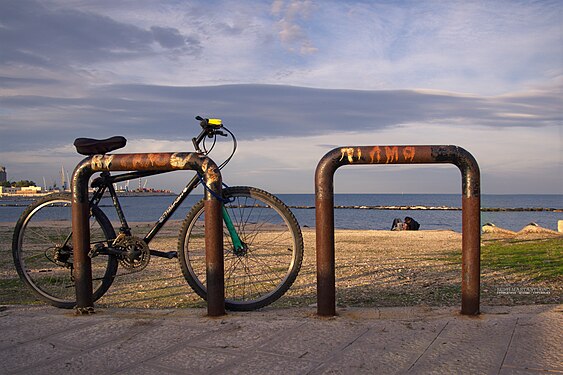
149,208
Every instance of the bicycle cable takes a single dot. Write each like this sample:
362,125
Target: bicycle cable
235,144
220,166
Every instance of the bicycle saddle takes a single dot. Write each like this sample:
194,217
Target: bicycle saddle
89,146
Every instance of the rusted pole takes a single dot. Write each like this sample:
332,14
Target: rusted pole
148,162
324,201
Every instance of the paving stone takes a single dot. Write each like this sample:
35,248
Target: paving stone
196,360
519,371
468,346
537,343
35,327
149,369
148,340
388,347
95,334
265,363
316,339
246,334
29,355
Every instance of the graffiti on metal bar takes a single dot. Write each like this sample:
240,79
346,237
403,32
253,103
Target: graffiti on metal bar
377,155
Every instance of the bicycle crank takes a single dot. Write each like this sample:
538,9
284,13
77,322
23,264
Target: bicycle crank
136,254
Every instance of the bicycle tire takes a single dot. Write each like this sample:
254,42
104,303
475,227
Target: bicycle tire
46,224
274,249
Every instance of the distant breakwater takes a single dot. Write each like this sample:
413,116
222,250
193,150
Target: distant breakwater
438,208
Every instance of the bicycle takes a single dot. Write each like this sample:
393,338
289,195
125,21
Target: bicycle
263,244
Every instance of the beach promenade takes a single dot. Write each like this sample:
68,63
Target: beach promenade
417,340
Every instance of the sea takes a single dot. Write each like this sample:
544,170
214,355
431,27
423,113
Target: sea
359,211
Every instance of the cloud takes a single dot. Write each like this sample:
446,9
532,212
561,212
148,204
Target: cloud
263,111
291,16
35,35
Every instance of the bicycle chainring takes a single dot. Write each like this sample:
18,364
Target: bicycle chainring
136,253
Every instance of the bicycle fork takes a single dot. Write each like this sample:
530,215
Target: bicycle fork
239,248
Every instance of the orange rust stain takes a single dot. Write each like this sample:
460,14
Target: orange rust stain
137,162
157,160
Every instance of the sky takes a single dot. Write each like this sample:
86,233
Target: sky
292,80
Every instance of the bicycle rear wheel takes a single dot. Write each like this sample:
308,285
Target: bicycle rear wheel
272,255
42,250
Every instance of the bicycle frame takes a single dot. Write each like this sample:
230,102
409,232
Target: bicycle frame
106,181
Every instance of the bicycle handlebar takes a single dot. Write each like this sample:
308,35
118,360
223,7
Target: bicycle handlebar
211,127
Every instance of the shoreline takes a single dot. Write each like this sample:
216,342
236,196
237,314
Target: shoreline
307,207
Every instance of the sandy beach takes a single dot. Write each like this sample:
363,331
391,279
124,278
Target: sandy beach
373,268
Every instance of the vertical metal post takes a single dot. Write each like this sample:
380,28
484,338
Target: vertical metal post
148,162
214,259
324,223
324,201
82,265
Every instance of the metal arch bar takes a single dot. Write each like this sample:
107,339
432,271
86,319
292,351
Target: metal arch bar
351,155
148,162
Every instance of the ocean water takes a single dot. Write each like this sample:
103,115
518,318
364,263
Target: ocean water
149,208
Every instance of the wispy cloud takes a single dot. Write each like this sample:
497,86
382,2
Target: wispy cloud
291,15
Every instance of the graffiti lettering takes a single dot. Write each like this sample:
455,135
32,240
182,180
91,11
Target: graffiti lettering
408,153
392,154
101,162
375,151
349,152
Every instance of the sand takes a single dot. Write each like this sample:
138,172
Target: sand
373,268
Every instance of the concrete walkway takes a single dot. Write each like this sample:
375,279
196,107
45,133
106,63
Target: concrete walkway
503,340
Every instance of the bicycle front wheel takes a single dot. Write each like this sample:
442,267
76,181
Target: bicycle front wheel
267,265
42,250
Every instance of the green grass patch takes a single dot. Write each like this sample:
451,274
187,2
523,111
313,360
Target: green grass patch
13,291
540,260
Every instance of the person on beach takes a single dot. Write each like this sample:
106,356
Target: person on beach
397,224
410,224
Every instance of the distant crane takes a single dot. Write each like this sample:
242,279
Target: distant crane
63,185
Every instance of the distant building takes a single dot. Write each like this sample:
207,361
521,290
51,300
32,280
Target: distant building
3,174
7,190
19,191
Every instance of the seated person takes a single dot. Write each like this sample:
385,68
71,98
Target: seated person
397,224
410,224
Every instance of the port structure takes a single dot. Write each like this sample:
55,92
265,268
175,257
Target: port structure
383,155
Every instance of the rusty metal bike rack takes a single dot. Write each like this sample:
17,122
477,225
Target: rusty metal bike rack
148,162
352,155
